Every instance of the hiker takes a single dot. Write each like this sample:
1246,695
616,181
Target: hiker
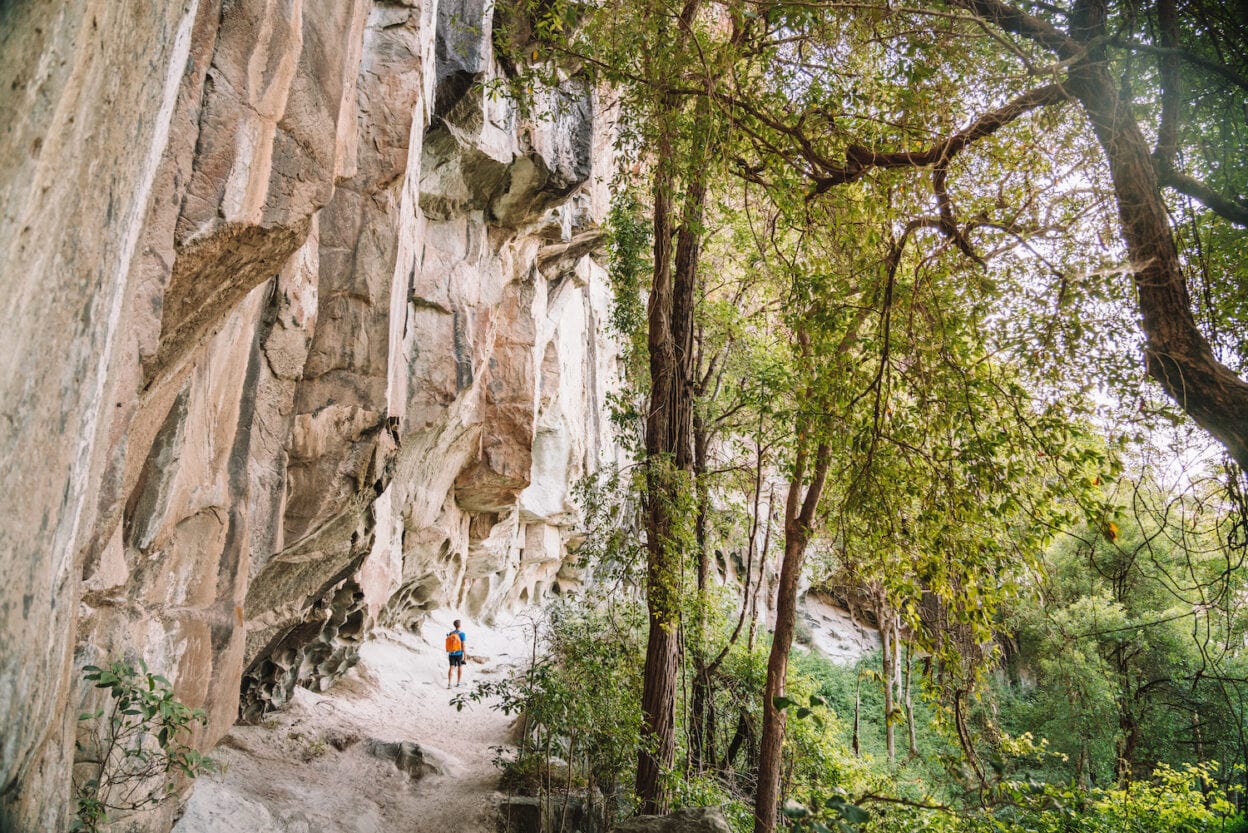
455,653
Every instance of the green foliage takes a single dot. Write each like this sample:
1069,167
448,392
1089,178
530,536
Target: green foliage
1125,658
629,239
1172,801
134,746
608,542
579,702
629,268
953,335
914,778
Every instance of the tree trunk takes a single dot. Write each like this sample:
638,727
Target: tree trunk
699,754
887,672
1177,355
857,743
797,529
914,743
702,678
738,738
762,570
669,465
771,748
1127,745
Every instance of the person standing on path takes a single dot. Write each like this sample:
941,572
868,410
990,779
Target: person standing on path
455,641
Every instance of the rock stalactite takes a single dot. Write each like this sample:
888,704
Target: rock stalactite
304,335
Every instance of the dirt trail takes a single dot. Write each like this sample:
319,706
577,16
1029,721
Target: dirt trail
315,767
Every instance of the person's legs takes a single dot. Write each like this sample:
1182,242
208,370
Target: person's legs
449,669
459,678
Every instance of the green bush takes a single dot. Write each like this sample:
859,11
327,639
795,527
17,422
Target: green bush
580,702
133,745
1181,800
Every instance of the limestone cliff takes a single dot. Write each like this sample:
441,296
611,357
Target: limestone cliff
303,334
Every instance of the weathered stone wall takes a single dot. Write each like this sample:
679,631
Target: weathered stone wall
304,334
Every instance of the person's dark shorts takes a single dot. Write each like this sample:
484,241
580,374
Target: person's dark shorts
456,660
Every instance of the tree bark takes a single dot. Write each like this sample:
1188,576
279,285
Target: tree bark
762,570
887,671
701,696
1177,355
799,516
857,743
771,748
669,468
914,742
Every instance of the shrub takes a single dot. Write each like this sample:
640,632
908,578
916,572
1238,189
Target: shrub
133,744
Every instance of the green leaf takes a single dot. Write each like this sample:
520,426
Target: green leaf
853,813
782,703
794,810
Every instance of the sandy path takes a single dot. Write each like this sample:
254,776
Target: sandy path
310,768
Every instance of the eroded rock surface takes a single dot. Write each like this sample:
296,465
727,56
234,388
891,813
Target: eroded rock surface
305,334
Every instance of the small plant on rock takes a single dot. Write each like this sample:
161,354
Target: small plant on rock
132,746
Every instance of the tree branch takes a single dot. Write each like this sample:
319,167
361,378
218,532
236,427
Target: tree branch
1230,209
1171,87
1190,57
1019,22
859,160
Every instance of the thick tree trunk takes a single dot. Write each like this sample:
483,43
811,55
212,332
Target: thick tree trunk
1177,355
669,461
658,716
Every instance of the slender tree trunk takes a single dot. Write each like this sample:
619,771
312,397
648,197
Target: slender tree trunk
886,675
1198,738
857,743
914,744
712,726
771,749
738,738
701,678
699,703
964,734
762,570
799,516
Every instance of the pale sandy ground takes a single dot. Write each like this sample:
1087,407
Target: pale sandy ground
289,776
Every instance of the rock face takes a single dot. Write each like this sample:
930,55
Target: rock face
304,335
